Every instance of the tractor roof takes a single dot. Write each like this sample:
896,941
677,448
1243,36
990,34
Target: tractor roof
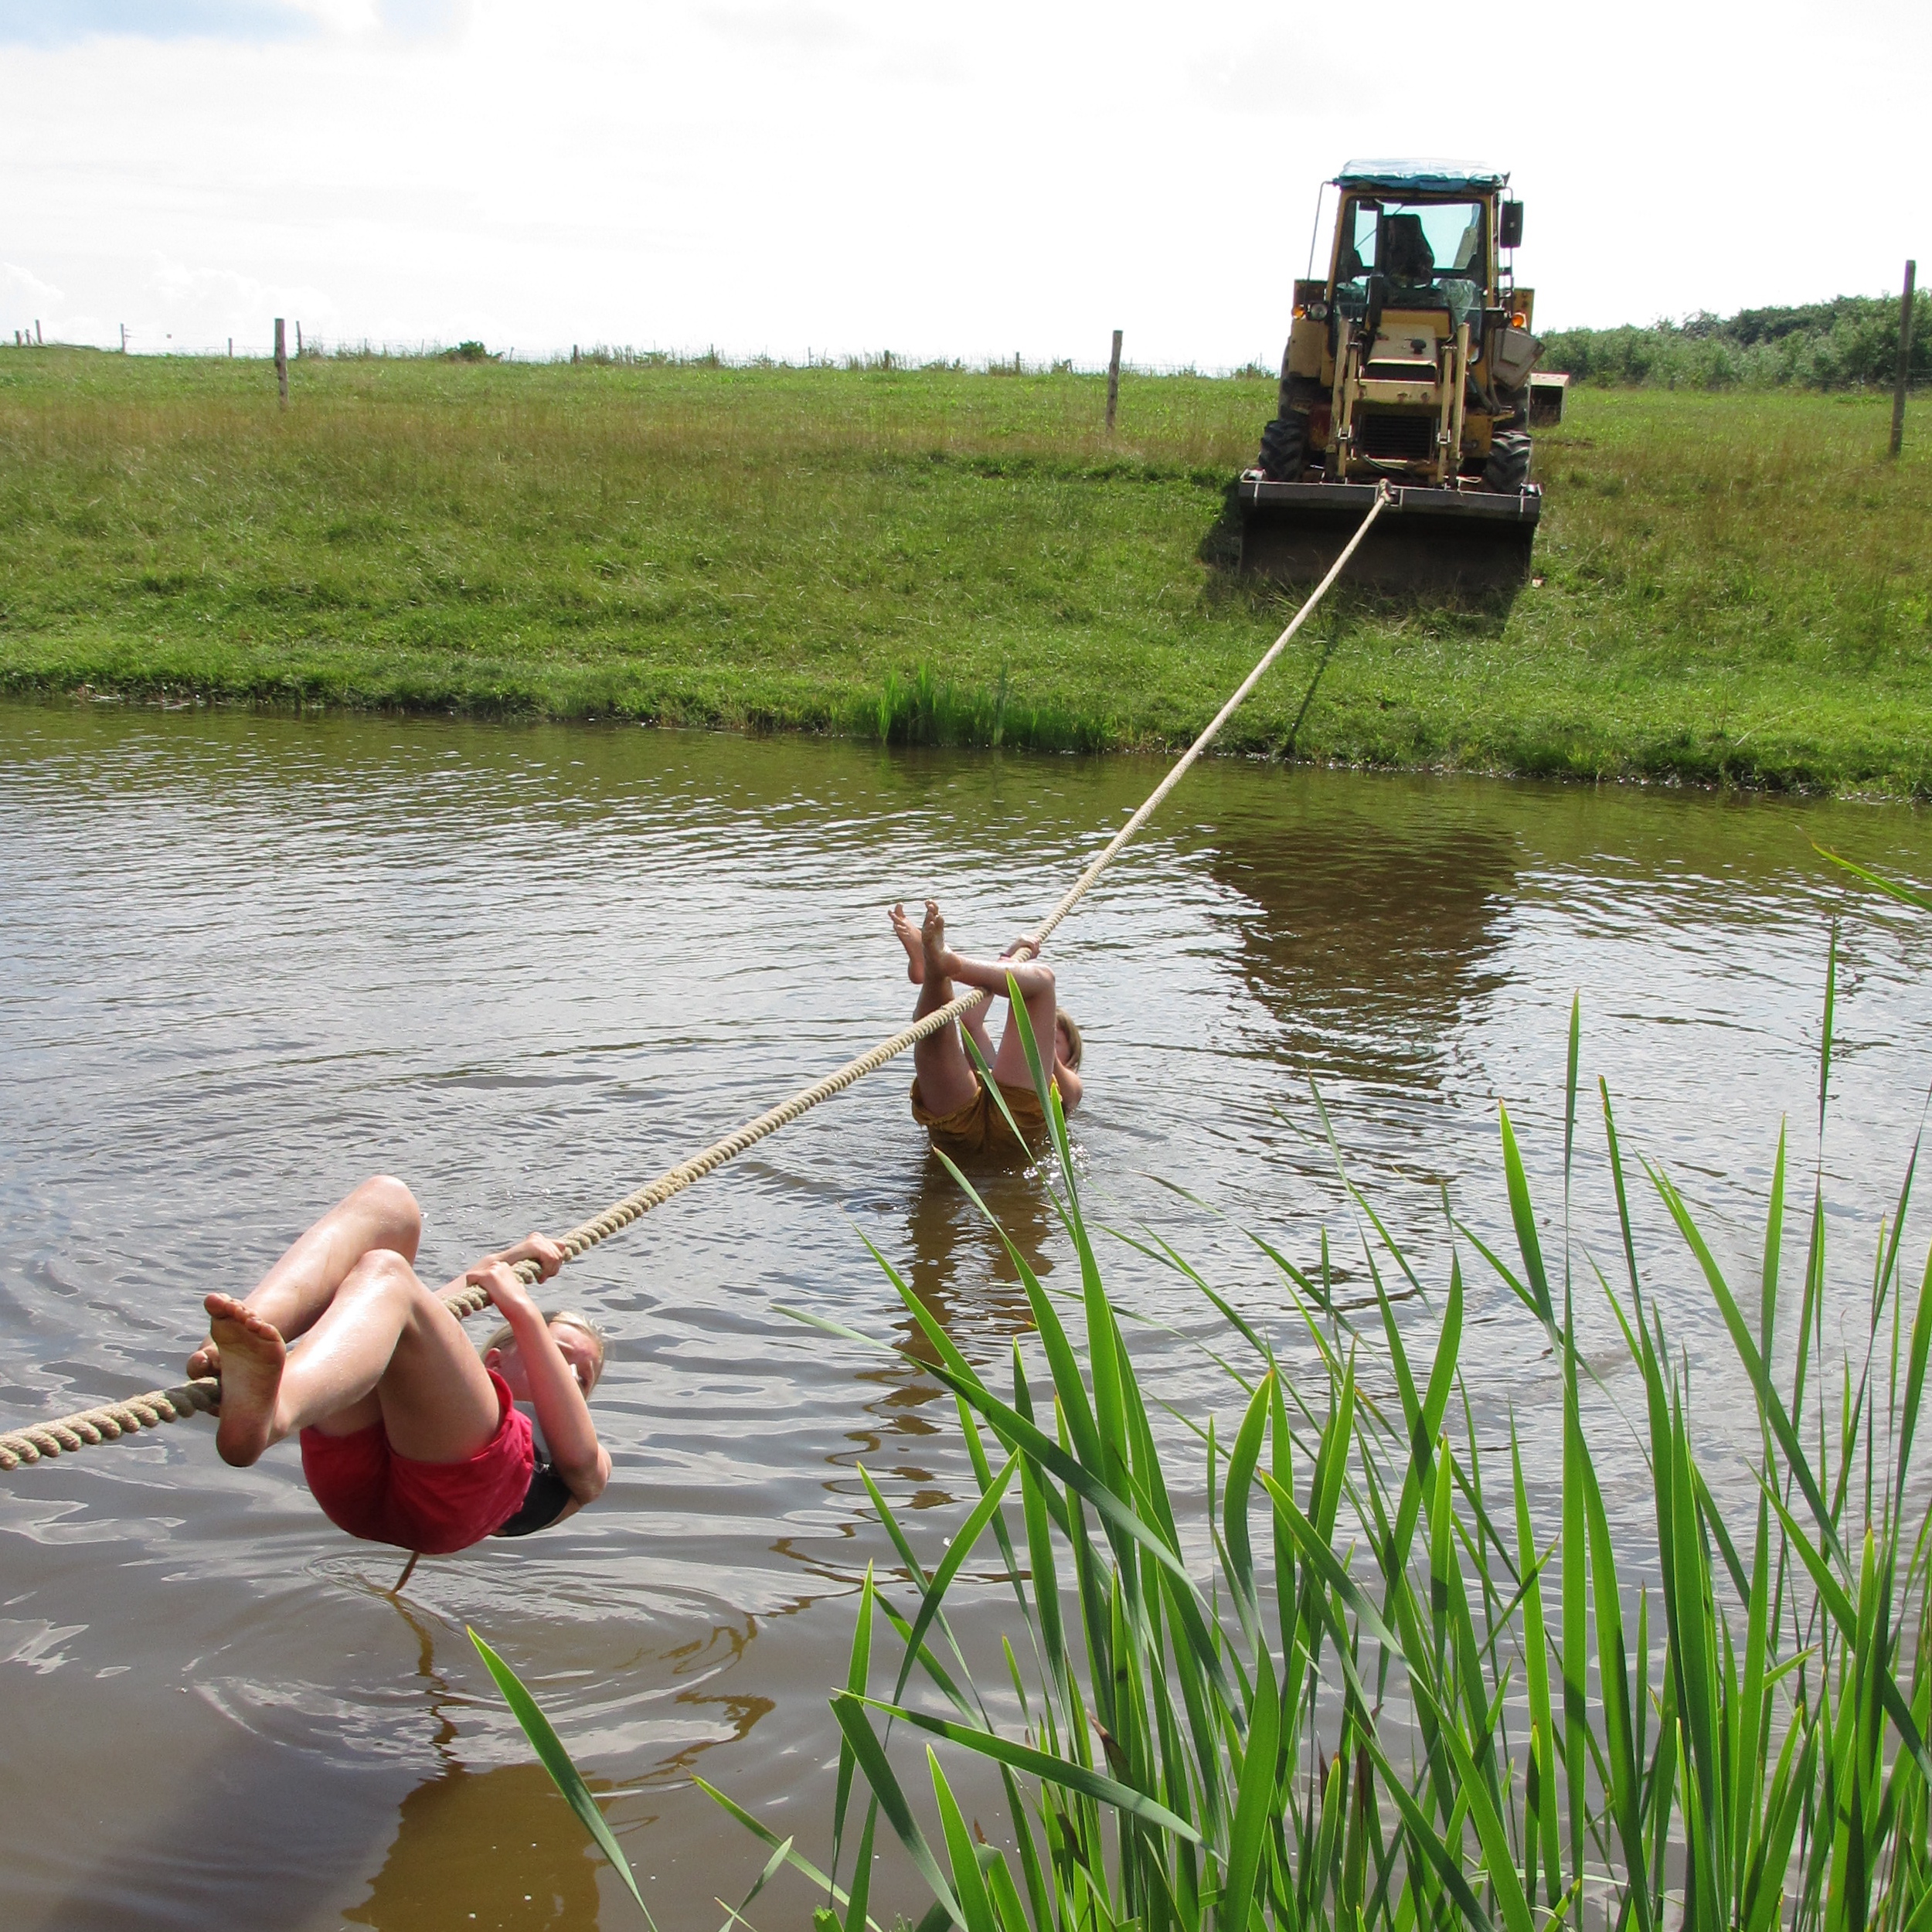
1422,177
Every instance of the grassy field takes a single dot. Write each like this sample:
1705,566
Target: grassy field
1734,587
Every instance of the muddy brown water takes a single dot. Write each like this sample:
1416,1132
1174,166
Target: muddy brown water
246,961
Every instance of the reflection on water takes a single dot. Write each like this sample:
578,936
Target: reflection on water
248,960
1371,932
496,1848
954,1260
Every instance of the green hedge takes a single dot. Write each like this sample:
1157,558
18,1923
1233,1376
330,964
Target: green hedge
1850,341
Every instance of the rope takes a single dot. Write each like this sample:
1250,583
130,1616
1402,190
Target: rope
110,1422
112,1419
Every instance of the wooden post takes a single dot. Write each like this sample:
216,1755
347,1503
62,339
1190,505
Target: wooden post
36,334
1905,358
231,349
299,339
123,338
281,360
1113,383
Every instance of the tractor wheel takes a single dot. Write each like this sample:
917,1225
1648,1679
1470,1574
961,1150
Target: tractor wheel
1284,448
1508,470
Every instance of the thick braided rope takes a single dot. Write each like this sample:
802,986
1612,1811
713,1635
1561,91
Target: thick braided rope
110,1422
112,1419
619,1215
1184,763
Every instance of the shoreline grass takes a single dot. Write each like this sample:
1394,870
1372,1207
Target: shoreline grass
1735,588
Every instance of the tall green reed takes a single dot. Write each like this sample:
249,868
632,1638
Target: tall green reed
1405,1689
927,710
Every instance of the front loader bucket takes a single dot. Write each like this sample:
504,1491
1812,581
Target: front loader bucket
1430,541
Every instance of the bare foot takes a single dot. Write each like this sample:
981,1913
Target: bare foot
252,1356
205,1361
932,940
908,935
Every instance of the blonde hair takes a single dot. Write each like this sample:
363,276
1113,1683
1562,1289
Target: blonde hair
1075,1046
503,1336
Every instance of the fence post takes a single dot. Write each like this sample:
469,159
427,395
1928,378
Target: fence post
1113,383
299,339
123,338
281,360
1905,358
36,333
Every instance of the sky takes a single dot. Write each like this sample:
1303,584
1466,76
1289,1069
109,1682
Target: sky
836,177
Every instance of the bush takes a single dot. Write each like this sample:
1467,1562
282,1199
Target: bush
1850,342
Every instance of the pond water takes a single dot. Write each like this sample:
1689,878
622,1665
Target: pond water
246,961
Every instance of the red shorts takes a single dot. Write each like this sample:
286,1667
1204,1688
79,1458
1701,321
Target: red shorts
436,1508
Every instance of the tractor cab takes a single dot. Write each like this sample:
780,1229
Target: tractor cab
1409,361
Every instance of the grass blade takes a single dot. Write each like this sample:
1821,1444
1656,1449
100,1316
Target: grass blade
563,1774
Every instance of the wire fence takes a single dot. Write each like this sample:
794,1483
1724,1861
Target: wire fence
627,355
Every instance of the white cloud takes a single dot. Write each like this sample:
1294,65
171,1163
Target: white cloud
839,175
32,23
20,289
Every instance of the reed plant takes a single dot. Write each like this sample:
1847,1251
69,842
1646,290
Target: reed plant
927,710
1388,1681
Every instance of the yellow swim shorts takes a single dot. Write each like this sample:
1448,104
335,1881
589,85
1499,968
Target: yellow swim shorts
979,1127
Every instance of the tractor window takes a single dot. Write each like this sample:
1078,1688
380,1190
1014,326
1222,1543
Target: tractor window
1358,221
1414,243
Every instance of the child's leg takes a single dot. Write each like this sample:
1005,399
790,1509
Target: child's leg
974,1022
1036,988
385,1350
946,1081
381,1214
909,937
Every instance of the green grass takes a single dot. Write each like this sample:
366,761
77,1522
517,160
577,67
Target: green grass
1736,586
1389,1683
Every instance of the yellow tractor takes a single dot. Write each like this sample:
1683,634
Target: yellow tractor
1409,363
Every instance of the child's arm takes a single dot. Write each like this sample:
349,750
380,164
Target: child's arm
575,1454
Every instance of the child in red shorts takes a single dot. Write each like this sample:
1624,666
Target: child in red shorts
409,1435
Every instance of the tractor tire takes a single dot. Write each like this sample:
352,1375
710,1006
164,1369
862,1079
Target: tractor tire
1507,472
1284,448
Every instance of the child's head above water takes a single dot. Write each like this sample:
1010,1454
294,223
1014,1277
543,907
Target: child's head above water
579,1338
1070,1044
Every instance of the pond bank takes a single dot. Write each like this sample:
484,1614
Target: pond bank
1731,589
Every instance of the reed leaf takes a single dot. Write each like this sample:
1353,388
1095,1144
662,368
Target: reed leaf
563,1772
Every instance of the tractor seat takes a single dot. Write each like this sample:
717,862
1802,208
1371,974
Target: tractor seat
1406,256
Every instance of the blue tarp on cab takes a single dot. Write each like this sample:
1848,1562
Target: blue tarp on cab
1422,177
